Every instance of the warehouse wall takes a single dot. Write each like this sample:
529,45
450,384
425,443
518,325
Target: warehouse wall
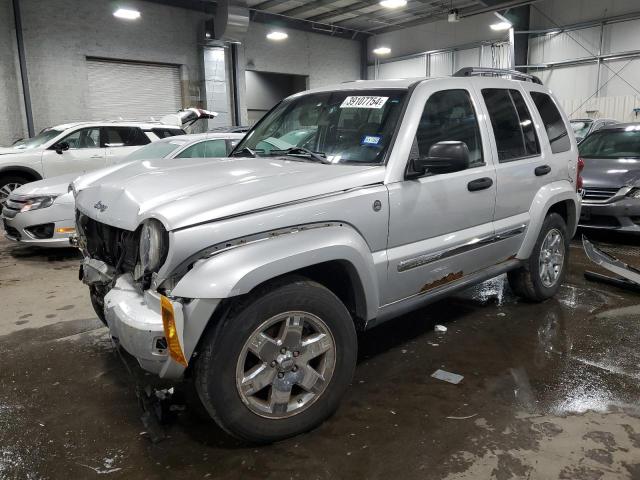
11,107
60,34
326,60
587,89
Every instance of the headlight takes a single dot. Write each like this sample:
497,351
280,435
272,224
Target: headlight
154,243
34,203
634,193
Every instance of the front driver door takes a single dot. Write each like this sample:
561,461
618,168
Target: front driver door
441,224
84,153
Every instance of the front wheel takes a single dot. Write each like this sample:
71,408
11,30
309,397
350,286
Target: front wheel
542,274
8,184
279,362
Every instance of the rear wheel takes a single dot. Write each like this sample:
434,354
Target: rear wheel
8,184
279,363
542,274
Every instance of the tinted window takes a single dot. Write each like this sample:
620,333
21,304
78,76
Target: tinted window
553,123
167,132
85,138
124,137
209,148
449,116
512,124
611,144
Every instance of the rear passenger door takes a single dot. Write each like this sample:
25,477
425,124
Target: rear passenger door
121,141
522,165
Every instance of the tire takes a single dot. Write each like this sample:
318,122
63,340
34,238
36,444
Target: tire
531,281
227,355
97,302
8,183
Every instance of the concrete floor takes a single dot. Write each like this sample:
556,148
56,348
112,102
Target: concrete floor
549,391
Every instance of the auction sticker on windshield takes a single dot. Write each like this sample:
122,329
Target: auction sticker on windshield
364,102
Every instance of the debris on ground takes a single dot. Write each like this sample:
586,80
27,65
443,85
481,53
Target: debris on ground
462,418
440,328
447,376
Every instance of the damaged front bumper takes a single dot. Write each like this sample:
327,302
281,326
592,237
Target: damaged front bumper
135,320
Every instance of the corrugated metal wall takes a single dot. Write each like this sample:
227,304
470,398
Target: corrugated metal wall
443,63
608,89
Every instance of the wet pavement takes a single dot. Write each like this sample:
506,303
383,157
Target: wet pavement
549,391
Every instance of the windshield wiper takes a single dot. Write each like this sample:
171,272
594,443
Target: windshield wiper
237,153
317,156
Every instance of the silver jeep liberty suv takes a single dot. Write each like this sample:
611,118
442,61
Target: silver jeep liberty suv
342,208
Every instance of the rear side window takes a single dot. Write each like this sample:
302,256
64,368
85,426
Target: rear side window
449,116
125,137
167,132
553,123
512,125
209,148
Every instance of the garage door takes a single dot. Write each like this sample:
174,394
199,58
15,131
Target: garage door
132,91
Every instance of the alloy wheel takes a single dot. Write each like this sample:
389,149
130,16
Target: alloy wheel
286,364
551,258
6,190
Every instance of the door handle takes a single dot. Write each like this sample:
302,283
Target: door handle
542,170
479,184
96,156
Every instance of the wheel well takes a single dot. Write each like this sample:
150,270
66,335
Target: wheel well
566,211
25,172
342,279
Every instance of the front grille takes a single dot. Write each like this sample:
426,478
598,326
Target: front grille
114,246
12,232
593,194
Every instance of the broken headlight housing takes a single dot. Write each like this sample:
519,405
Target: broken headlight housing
35,203
154,244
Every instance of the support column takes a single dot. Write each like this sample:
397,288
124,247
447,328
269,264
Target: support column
519,17
23,67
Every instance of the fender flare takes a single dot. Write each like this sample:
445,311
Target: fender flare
545,198
239,270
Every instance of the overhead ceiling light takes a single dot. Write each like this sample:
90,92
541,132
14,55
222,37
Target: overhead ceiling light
454,16
382,51
127,14
275,35
393,3
503,24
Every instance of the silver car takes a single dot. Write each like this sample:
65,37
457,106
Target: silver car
611,194
582,127
253,273
42,213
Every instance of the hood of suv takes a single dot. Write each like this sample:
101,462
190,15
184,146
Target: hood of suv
199,190
610,172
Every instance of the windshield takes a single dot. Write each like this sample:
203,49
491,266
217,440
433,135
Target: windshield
339,127
157,150
581,127
611,144
37,141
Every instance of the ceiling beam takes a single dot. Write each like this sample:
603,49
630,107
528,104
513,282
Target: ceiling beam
268,4
310,6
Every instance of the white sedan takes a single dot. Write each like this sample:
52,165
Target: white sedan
42,213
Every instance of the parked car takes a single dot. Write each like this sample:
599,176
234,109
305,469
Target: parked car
253,273
42,213
74,148
584,126
611,192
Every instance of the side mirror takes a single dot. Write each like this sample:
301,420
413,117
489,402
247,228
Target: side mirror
61,147
444,157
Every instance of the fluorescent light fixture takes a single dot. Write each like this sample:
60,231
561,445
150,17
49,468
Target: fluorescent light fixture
276,35
554,32
127,14
503,24
393,3
382,51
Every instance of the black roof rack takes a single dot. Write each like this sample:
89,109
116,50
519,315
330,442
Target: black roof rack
496,72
